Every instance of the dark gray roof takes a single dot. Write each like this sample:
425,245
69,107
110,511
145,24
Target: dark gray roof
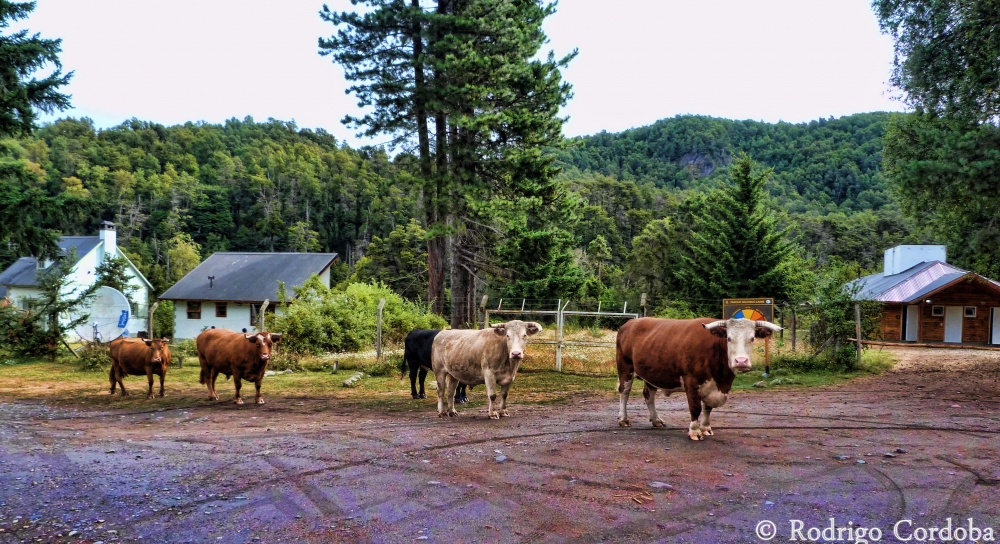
22,272
3,291
911,284
248,277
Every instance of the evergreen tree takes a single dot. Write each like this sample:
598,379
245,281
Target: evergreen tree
22,56
114,273
41,330
736,249
25,209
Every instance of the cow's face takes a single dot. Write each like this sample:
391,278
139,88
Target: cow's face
157,346
739,335
516,334
265,343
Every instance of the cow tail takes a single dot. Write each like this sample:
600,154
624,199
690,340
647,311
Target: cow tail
204,377
402,366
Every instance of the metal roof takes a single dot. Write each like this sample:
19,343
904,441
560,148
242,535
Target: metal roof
912,283
247,277
23,273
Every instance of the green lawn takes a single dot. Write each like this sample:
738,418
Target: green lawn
63,383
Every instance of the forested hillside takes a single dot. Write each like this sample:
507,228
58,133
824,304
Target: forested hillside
181,193
204,188
821,166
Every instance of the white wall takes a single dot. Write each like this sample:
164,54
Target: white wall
237,319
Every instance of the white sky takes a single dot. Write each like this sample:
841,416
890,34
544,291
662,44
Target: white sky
640,60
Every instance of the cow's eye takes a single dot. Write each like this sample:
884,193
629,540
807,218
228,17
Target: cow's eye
751,340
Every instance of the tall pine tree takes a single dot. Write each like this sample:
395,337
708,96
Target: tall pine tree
736,249
25,209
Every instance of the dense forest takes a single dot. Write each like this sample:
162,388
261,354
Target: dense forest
180,193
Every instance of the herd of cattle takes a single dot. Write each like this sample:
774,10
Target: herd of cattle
698,356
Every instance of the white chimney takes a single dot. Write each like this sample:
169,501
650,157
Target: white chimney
902,258
109,235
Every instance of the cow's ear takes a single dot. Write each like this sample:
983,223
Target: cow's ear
500,329
533,328
275,337
718,331
761,332
252,339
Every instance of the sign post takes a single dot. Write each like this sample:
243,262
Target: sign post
757,309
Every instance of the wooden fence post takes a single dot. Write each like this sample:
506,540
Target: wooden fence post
260,318
486,312
857,328
794,323
149,325
559,333
378,331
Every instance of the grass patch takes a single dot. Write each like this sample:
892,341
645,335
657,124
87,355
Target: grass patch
588,371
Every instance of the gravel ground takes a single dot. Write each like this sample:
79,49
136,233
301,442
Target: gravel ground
919,443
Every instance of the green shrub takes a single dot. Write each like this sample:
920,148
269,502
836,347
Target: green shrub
184,348
95,358
330,320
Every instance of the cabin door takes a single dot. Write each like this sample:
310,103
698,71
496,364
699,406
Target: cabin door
995,326
910,322
953,316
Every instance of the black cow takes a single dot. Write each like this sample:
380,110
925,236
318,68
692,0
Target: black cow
417,355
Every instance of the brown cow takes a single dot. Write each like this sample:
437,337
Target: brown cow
136,356
491,356
700,356
242,356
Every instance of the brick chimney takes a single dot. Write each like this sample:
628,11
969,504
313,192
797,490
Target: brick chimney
109,235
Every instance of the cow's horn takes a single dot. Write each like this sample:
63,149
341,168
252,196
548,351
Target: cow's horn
768,325
714,325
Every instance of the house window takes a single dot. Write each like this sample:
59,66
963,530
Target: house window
970,311
937,310
194,310
221,309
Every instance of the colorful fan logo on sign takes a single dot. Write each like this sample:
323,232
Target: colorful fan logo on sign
749,313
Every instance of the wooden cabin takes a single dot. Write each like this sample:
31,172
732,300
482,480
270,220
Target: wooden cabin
927,300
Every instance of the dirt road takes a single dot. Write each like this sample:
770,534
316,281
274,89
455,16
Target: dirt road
919,444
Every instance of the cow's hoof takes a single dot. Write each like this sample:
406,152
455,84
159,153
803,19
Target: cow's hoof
442,414
494,415
624,423
239,401
504,413
415,396
162,395
149,396
452,413
695,435
422,396
260,401
707,431
658,423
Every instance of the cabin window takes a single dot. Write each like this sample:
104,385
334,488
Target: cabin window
970,311
194,310
937,310
221,309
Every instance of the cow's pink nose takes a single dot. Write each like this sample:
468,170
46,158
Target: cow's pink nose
516,355
742,361
265,356
157,360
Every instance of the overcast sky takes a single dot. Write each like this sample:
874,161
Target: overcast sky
172,61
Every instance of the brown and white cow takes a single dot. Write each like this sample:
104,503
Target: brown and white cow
136,357
242,356
490,356
699,356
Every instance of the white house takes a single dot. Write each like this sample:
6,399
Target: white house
227,290
20,279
